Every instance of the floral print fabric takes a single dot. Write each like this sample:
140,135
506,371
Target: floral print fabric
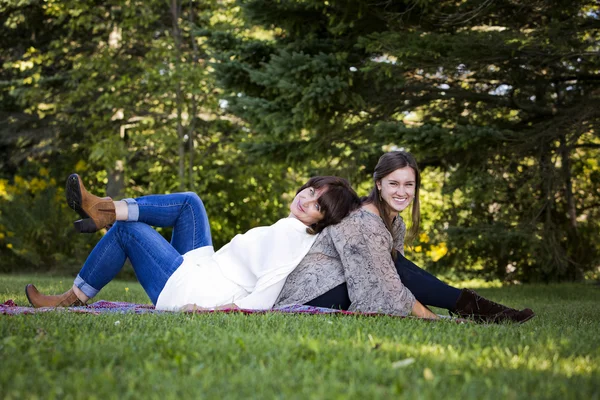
356,251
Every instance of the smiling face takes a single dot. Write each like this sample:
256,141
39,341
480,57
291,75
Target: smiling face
305,206
398,189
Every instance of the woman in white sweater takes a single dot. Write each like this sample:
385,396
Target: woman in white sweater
246,273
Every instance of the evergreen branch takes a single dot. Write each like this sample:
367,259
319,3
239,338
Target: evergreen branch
578,77
587,146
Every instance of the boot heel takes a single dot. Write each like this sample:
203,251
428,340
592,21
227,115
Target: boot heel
85,226
101,210
74,196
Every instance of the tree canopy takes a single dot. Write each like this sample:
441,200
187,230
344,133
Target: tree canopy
498,100
241,101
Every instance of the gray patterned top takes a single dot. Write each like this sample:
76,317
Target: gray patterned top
355,251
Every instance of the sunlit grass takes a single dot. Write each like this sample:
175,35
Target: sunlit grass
64,355
476,283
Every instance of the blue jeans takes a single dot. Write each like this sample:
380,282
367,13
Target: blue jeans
426,288
153,258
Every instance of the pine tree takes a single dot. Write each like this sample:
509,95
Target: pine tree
500,98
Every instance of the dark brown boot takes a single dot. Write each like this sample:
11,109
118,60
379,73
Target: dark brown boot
97,212
67,299
471,305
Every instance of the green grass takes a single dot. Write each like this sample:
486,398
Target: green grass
66,355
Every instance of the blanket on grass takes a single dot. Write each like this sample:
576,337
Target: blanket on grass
118,307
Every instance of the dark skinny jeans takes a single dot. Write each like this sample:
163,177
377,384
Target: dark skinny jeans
426,288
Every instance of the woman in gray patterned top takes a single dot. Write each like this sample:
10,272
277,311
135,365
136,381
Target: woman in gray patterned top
359,263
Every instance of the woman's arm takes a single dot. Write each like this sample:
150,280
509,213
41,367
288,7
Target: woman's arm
399,229
264,297
364,245
194,307
230,306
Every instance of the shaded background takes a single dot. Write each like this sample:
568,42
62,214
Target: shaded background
242,101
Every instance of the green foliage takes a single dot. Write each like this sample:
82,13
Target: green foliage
241,101
498,99
218,355
126,91
36,230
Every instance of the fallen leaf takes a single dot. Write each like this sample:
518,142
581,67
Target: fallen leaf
403,363
427,374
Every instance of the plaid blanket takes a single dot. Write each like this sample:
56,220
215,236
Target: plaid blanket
9,307
111,307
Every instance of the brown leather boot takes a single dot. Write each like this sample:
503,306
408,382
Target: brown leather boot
97,212
471,305
67,299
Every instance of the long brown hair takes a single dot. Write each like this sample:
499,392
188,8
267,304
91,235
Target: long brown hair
335,202
388,163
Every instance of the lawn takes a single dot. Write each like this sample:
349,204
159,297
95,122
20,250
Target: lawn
67,355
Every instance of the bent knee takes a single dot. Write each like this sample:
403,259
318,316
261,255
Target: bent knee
122,226
193,198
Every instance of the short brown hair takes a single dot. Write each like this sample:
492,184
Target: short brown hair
336,202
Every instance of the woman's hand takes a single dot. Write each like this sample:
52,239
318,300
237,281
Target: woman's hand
419,310
230,306
193,307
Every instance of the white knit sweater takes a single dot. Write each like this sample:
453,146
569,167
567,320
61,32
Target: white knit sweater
248,271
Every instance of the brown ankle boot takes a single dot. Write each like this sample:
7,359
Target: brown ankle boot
67,299
472,305
97,212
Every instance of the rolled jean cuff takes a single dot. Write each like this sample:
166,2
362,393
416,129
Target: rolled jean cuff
88,290
133,210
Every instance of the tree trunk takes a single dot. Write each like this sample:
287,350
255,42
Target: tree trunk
175,13
194,106
191,135
566,170
115,187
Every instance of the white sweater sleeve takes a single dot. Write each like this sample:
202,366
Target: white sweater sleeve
263,298
261,260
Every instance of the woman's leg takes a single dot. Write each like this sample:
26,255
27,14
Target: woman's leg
428,289
335,298
466,303
154,260
184,212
